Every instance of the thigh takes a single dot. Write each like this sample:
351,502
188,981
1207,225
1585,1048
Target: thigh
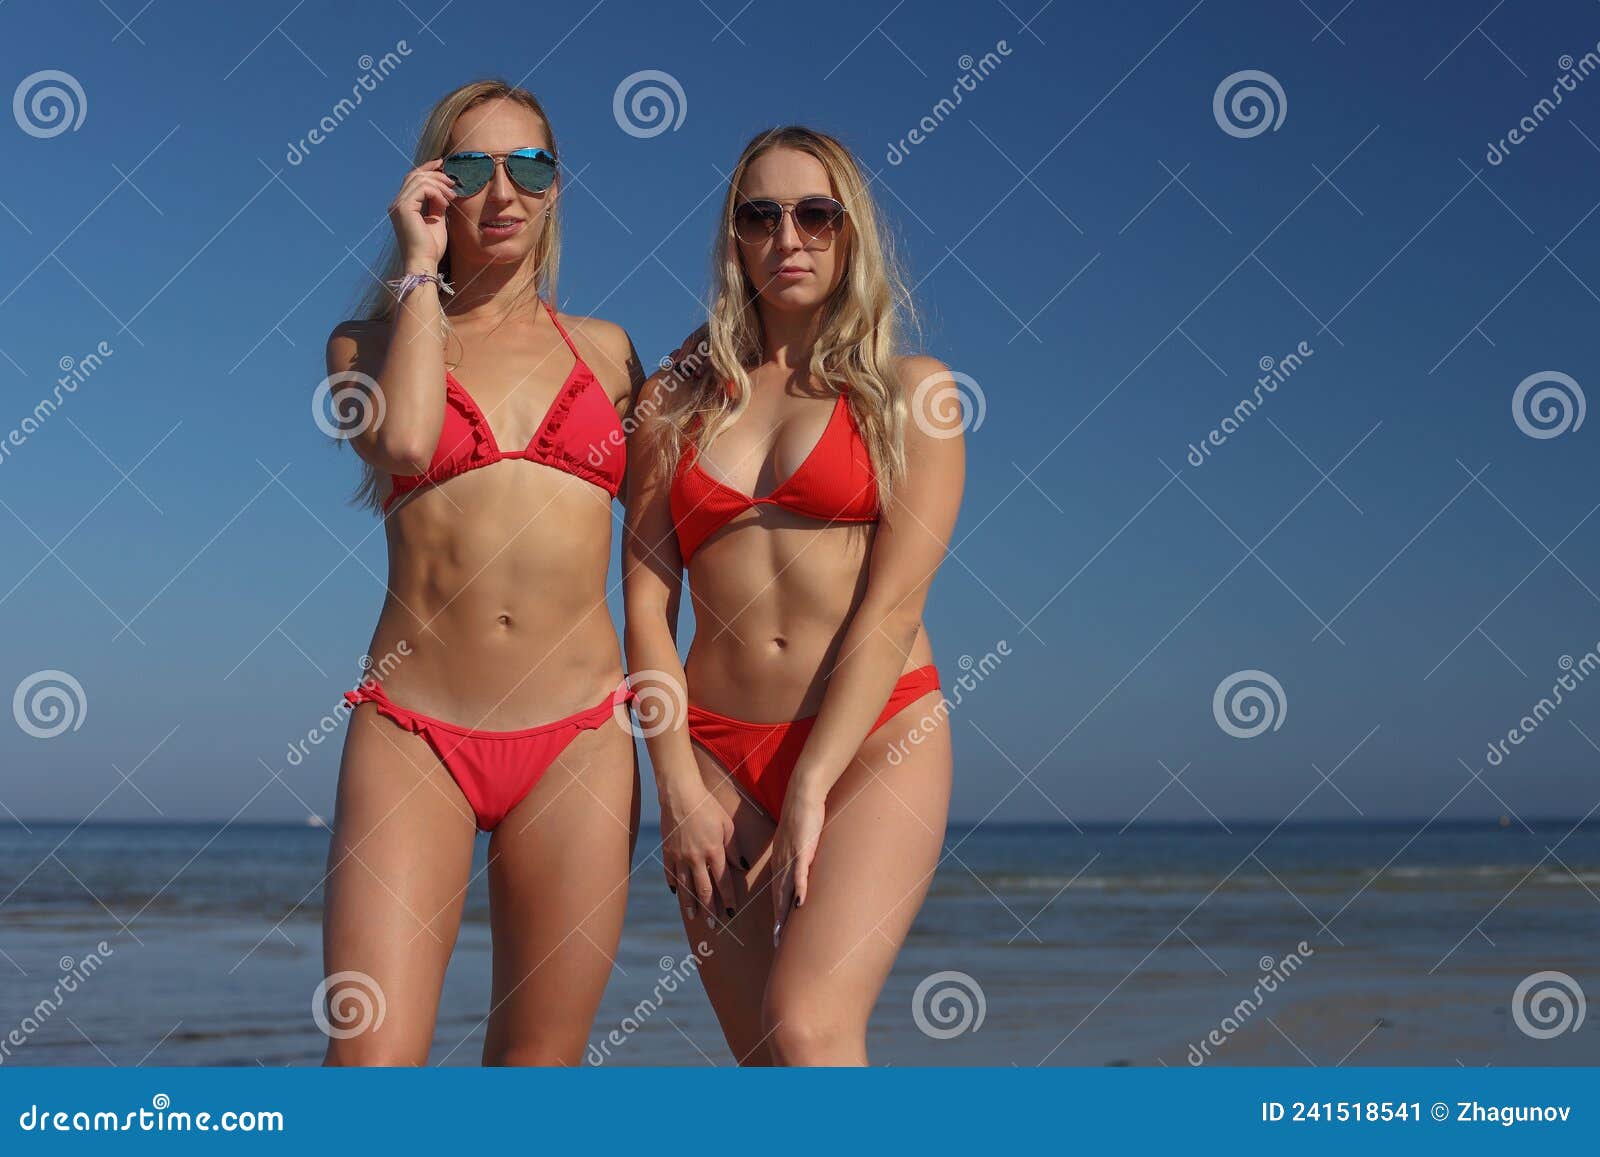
558,889
738,951
881,841
397,872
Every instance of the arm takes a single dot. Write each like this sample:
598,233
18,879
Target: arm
402,363
913,535
696,833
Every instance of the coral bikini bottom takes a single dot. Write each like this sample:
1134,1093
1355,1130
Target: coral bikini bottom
496,769
761,756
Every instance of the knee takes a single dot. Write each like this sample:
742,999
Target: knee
802,1031
367,1051
534,1052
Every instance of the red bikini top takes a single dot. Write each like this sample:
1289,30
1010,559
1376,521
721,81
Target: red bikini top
835,483
580,434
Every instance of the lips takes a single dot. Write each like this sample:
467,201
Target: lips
501,226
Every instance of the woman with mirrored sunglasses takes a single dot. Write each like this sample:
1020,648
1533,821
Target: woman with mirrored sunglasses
489,429
803,481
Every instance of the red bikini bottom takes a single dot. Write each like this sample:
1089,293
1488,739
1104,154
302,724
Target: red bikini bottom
496,769
761,756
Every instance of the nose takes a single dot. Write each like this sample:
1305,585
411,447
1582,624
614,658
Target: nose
501,188
787,239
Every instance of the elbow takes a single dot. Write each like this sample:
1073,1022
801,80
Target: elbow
646,617
900,621
402,454
643,613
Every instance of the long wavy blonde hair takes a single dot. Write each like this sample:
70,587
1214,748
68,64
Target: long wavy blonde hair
857,343
376,302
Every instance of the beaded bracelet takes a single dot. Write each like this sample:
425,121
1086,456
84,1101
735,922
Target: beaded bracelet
410,281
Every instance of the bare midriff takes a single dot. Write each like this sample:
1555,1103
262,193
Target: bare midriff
773,595
497,587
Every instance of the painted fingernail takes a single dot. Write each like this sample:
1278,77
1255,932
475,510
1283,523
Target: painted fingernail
744,863
673,888
711,922
776,928
729,911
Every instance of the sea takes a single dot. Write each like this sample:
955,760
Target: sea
1403,943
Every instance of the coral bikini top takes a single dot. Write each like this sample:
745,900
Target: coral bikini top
835,483
580,434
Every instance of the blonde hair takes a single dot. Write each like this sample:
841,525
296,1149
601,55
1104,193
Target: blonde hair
857,343
376,302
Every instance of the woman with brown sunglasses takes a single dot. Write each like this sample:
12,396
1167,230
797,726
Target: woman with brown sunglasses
796,470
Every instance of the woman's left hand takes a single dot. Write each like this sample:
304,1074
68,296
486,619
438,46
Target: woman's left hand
794,846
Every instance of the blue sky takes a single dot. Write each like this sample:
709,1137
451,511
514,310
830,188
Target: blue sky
1105,261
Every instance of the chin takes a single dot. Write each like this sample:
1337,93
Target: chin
509,251
794,297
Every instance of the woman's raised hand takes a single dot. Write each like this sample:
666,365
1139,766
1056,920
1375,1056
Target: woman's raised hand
418,216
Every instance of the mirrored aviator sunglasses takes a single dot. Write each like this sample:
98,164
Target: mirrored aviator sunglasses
815,218
533,170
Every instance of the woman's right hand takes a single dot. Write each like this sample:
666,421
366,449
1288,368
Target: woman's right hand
418,215
696,850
